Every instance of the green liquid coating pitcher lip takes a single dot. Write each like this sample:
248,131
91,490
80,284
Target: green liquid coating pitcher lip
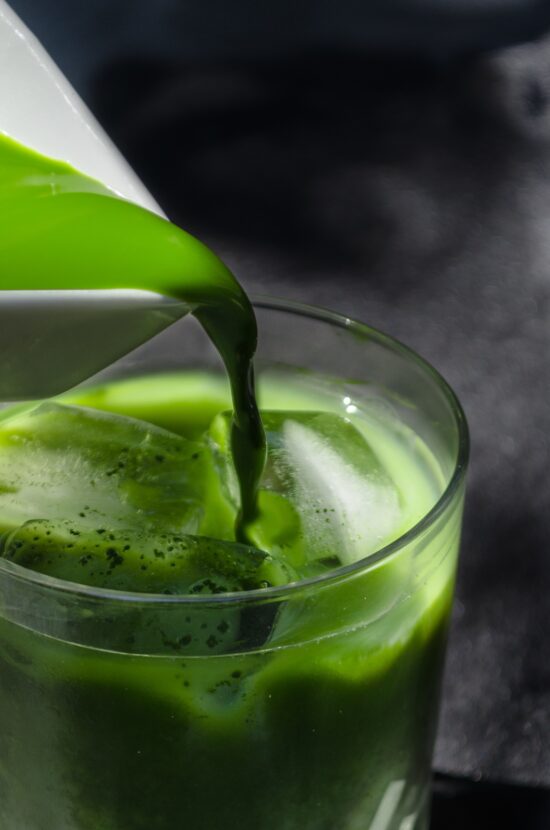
61,231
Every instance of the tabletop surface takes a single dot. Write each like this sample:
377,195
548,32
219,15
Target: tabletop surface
459,804
414,196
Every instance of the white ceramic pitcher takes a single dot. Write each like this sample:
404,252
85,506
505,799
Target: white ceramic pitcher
52,340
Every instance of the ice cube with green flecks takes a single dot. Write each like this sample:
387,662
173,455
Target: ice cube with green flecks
141,560
100,469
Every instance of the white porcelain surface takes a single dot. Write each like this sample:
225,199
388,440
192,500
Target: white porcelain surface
39,108
52,340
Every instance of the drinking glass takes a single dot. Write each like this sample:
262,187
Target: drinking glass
311,706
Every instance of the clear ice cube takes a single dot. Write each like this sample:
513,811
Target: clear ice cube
325,498
105,470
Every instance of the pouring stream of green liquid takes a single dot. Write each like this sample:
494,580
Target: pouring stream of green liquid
60,229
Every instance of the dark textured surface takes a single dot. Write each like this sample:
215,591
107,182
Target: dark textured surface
84,35
466,805
415,197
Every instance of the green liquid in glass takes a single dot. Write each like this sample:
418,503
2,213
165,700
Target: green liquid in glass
318,715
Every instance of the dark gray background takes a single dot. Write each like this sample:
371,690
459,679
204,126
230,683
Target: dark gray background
83,36
409,190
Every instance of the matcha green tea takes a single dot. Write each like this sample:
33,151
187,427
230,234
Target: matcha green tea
210,620
62,230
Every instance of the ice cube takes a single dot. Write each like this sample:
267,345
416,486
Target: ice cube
106,471
111,502
129,559
344,496
146,562
325,498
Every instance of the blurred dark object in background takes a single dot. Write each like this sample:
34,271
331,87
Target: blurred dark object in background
412,192
83,36
466,805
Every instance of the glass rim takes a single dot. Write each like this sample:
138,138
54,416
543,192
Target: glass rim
279,592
